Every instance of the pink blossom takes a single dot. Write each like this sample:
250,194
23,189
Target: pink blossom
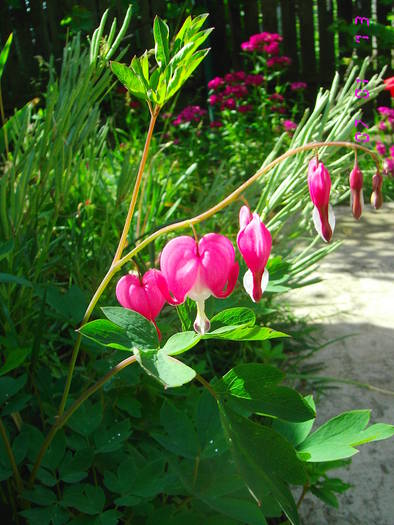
380,148
254,242
144,295
384,110
254,80
382,125
272,48
215,83
388,166
279,109
319,183
216,124
189,114
289,125
296,86
246,46
228,104
229,77
278,61
391,149
245,108
356,191
237,91
277,96
239,75
199,270
215,99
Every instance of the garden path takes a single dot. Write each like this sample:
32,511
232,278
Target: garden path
356,296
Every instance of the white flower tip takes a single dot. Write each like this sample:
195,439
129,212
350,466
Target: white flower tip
248,282
202,323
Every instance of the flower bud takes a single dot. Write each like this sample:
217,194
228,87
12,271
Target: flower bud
319,183
356,189
377,197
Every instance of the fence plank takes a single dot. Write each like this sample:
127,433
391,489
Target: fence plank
345,13
219,55
251,18
327,50
290,34
305,14
270,19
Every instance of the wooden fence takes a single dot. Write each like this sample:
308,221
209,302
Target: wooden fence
315,50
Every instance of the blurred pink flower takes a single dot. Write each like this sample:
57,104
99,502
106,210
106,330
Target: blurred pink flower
382,125
295,86
215,83
254,80
216,124
377,197
228,104
278,61
380,148
388,166
289,125
244,108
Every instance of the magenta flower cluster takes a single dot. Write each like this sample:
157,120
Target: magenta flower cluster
263,43
298,86
189,114
230,90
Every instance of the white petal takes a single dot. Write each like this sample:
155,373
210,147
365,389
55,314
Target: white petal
201,324
317,221
248,282
331,217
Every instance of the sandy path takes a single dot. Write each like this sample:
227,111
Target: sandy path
356,296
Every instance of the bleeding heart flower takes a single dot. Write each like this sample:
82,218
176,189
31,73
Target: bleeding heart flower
199,270
377,197
319,183
356,189
254,242
143,295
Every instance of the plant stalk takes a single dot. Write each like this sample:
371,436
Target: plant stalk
61,420
11,456
113,268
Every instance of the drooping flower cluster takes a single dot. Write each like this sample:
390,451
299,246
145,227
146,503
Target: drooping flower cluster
319,182
199,269
189,114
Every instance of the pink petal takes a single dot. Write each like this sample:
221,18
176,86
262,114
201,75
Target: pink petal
179,264
245,217
254,243
217,257
122,289
154,296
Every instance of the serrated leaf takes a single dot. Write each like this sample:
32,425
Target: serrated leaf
107,334
338,437
161,36
129,79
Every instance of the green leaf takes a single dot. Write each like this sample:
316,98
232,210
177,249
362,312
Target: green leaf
254,333
55,452
161,36
10,386
139,330
129,79
112,438
40,495
14,279
86,419
107,334
248,377
239,509
71,304
85,498
233,317
210,433
166,369
6,247
14,358
4,54
181,342
74,467
296,433
265,460
181,438
338,437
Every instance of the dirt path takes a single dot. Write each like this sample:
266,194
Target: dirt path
356,296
